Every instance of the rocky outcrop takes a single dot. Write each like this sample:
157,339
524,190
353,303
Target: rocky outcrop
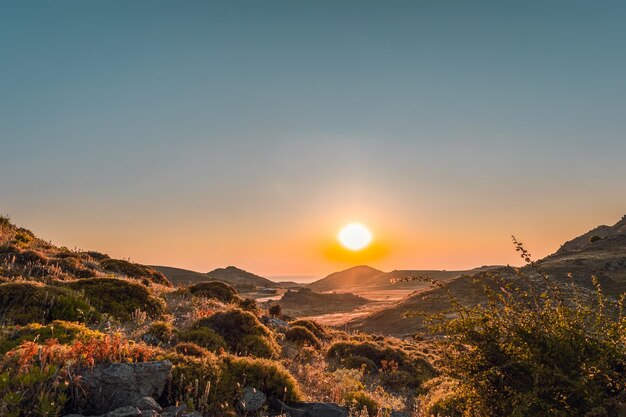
116,385
251,400
305,409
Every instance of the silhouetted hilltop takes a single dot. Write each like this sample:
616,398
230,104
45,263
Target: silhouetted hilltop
238,277
601,252
24,255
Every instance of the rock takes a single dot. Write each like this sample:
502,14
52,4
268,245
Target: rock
109,387
148,403
310,409
252,400
174,411
193,414
124,412
150,413
275,324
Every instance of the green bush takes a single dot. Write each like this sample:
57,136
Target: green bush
313,327
196,382
203,336
360,362
249,304
118,297
191,349
28,302
212,384
242,332
360,400
302,336
133,270
372,351
275,310
72,266
159,332
267,376
594,238
215,289
536,352
397,368
63,331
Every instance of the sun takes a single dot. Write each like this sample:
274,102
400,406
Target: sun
355,236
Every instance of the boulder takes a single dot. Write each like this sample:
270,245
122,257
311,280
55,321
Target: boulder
124,412
275,324
108,387
252,400
305,409
174,411
148,403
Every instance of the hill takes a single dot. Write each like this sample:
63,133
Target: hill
361,277
357,276
179,276
24,255
600,252
305,302
238,277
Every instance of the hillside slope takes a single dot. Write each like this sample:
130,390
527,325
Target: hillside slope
305,302
361,277
179,276
238,277
600,252
24,255
357,276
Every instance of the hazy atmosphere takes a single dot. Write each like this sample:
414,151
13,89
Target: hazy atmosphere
206,134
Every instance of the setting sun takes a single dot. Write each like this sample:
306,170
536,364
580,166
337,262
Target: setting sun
354,236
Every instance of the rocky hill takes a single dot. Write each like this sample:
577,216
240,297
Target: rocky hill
179,276
600,252
24,255
238,277
361,277
353,277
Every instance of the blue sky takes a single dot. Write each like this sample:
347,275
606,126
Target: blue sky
201,134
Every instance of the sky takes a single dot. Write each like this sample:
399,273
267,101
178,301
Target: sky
204,134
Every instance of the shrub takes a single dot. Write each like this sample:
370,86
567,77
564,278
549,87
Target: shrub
39,380
203,336
196,382
249,304
594,238
72,266
267,376
361,400
343,349
133,270
442,398
191,349
528,352
211,384
118,297
63,331
242,332
313,327
28,302
160,332
215,289
398,369
360,362
275,310
301,335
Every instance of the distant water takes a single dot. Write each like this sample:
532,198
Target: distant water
300,279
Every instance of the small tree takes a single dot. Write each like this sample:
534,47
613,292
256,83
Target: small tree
275,310
535,352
